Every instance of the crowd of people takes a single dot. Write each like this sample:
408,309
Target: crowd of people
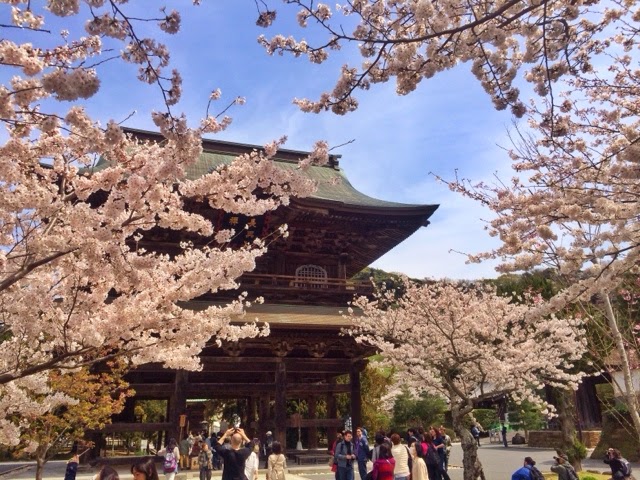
232,451
620,467
424,456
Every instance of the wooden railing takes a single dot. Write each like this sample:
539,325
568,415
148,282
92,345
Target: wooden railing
291,282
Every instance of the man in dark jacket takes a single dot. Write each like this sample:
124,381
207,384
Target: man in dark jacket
234,457
362,452
344,457
619,466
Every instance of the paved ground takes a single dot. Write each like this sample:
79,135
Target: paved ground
499,463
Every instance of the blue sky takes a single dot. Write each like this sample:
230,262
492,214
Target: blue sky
448,123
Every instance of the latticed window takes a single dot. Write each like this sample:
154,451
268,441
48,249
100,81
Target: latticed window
311,276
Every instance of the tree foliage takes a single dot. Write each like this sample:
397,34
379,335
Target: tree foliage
80,281
93,398
487,347
410,410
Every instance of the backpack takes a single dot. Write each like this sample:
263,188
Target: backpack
169,465
626,467
571,473
535,473
370,453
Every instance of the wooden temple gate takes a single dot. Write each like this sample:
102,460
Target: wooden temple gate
306,282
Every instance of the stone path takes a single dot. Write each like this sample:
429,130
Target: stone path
499,463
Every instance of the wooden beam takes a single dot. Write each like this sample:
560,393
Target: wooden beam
239,365
224,390
137,427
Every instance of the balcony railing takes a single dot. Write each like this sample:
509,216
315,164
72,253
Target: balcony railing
291,282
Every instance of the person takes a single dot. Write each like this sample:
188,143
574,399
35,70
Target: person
234,457
252,464
184,447
384,467
528,471
171,455
217,460
475,431
205,462
563,468
72,468
619,466
145,470
432,457
276,463
403,460
438,441
195,451
419,468
447,446
267,447
332,452
504,436
190,440
362,452
105,473
344,457
379,440
411,436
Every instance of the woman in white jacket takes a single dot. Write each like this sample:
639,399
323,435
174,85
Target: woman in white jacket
252,462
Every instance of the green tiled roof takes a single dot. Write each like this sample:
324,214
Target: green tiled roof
331,181
332,184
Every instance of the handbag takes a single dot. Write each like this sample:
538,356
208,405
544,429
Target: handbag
432,457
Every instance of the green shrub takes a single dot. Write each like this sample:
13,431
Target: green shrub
577,451
486,417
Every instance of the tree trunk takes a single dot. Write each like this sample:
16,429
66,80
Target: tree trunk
631,398
566,409
472,468
41,460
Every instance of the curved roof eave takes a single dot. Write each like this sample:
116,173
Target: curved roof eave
396,209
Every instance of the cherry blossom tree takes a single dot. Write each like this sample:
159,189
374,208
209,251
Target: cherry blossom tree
573,202
466,344
413,40
78,197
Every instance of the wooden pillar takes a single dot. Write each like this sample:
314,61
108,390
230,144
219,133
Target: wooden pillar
128,412
332,412
280,433
252,418
177,403
312,432
356,398
264,418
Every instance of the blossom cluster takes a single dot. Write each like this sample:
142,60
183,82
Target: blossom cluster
412,40
467,344
487,345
